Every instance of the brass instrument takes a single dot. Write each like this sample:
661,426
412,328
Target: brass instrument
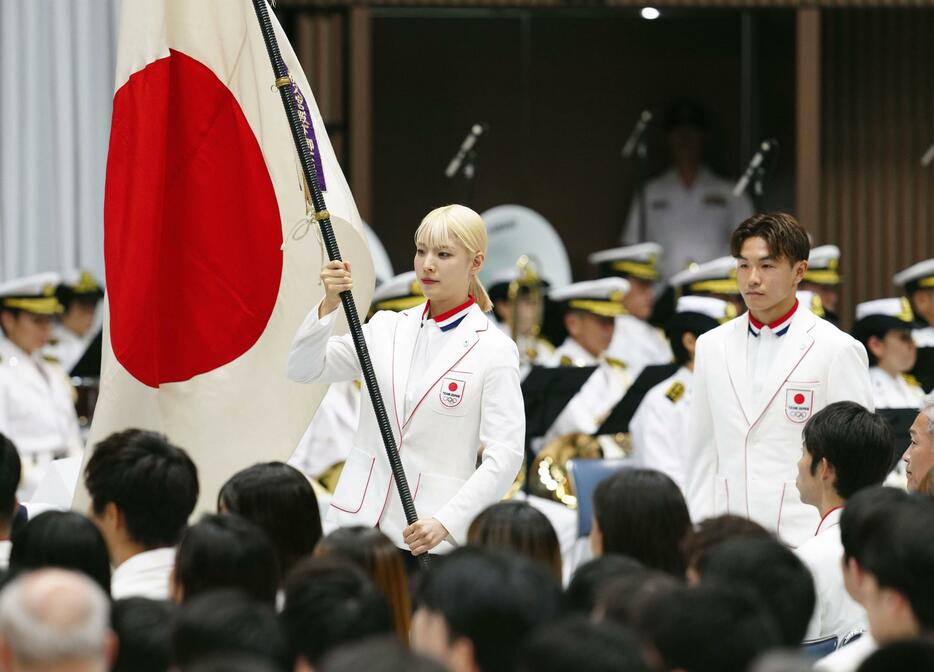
527,340
549,475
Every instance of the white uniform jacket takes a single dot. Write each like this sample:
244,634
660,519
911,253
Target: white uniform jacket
37,410
659,427
639,344
67,347
835,612
470,411
894,392
743,455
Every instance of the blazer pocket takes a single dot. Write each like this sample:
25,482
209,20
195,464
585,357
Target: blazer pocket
434,491
721,496
354,482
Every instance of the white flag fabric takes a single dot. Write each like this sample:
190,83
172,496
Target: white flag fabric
203,187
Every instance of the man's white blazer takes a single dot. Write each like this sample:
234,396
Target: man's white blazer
742,455
461,445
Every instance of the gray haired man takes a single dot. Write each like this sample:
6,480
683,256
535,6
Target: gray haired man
919,457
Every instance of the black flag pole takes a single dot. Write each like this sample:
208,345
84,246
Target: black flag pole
323,217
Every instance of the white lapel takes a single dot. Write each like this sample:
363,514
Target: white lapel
736,360
460,342
403,344
796,344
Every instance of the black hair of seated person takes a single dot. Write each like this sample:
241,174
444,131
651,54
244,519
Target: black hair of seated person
899,553
63,539
856,442
622,600
582,645
330,602
642,513
11,470
866,512
781,582
227,622
713,531
226,551
518,527
144,631
590,579
229,663
910,654
377,654
492,599
277,497
708,628
152,482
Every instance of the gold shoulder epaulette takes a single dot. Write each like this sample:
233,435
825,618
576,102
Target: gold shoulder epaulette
675,392
358,384
51,359
566,361
616,363
911,380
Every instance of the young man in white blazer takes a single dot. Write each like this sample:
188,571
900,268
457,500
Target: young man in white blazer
759,378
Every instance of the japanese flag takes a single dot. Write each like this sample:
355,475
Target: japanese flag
208,274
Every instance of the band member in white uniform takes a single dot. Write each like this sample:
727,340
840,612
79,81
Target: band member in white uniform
635,341
823,278
520,315
590,310
36,398
659,428
450,383
715,278
918,281
757,380
884,326
80,294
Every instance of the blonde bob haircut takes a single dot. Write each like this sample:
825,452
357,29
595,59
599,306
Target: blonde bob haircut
458,223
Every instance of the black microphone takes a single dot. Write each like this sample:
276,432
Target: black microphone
633,140
472,136
757,159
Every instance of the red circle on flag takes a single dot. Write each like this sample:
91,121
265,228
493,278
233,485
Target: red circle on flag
799,398
452,386
191,222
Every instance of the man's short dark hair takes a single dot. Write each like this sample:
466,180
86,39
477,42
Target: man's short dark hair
227,551
912,654
785,238
227,622
151,481
623,600
144,630
491,599
711,532
10,472
378,654
857,443
642,513
777,577
590,579
329,602
708,628
581,645
866,512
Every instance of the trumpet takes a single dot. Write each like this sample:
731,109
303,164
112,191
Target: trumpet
526,308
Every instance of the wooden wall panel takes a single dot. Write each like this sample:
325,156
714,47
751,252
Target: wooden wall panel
877,111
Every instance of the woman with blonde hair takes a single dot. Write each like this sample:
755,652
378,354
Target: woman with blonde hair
450,383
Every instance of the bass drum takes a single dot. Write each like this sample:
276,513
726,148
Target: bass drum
514,231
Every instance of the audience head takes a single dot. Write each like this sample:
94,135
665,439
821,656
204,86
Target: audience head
478,605
380,560
623,599
226,551
144,632
57,619
278,498
845,448
641,513
774,574
226,622
10,472
919,457
329,602
520,528
708,628
910,654
713,531
378,654
128,477
63,539
230,663
590,579
583,646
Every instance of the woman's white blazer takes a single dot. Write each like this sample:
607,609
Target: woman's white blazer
461,444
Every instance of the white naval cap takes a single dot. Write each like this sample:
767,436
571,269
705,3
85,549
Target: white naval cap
717,276
811,301
639,261
602,297
81,281
398,293
32,294
918,276
896,307
511,274
823,264
717,309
